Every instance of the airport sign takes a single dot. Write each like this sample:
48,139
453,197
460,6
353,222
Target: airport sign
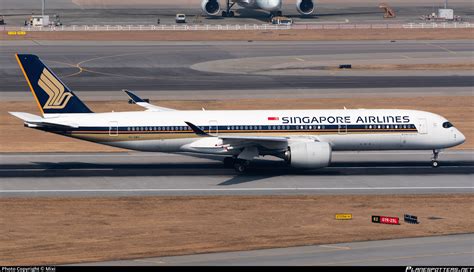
343,216
385,220
411,219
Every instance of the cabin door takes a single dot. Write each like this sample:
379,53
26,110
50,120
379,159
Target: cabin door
422,126
113,128
213,128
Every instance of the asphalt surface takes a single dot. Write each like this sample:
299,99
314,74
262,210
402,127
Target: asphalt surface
165,66
114,174
452,250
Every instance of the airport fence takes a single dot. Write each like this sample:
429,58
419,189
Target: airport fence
237,27
156,27
383,26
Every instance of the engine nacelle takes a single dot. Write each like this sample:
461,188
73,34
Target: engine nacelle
210,7
305,7
309,154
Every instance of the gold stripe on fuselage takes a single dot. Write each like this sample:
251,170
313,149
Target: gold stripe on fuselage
134,136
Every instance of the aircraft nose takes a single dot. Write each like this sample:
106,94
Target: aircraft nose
459,137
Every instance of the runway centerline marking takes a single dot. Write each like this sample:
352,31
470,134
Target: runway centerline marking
224,189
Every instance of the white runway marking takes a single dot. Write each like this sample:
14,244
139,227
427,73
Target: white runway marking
225,189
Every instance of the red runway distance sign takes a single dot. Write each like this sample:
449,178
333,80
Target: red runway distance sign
389,220
385,220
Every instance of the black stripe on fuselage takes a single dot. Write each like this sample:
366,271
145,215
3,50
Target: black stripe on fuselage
366,128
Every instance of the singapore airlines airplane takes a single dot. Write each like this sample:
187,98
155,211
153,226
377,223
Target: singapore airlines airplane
212,7
303,138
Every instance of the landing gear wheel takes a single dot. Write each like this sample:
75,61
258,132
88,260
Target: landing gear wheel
241,165
229,162
224,14
279,13
434,161
231,14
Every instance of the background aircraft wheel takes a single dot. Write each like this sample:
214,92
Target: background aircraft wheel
241,165
224,14
231,14
229,162
434,163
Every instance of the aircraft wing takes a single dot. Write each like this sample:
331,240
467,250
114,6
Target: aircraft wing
142,103
250,145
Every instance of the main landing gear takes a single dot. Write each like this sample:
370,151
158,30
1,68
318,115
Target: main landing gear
227,12
276,14
434,160
238,164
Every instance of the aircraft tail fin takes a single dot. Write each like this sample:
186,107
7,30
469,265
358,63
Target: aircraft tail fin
51,94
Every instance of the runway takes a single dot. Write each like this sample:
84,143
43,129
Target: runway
102,67
433,251
131,174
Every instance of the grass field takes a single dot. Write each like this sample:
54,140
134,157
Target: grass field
37,231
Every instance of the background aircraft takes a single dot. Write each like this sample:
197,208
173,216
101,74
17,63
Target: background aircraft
213,7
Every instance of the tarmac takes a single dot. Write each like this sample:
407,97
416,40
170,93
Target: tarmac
450,250
141,174
101,67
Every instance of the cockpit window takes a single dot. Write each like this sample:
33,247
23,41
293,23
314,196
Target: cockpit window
447,125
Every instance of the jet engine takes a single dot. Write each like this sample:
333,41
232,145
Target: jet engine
305,7
211,7
309,154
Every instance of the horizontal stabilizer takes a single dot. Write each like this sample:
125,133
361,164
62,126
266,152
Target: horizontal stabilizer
36,121
27,116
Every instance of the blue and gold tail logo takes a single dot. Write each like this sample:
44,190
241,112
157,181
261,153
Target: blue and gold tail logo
57,97
50,93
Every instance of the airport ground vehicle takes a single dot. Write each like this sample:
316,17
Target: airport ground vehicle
280,20
303,138
180,18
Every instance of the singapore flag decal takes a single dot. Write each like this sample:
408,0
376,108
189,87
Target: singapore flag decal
273,118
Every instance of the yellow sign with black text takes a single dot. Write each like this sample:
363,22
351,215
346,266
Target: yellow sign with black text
13,33
343,216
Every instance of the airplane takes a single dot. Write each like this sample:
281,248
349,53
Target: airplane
213,7
303,138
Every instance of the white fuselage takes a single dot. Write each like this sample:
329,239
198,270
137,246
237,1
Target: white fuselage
359,129
268,5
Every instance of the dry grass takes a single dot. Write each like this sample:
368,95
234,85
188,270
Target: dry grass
254,35
67,230
16,138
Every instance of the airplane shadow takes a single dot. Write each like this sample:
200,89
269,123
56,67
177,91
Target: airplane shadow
258,170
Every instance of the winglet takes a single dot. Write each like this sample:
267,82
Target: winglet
196,129
134,97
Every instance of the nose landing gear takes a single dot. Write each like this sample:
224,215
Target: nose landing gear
434,160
